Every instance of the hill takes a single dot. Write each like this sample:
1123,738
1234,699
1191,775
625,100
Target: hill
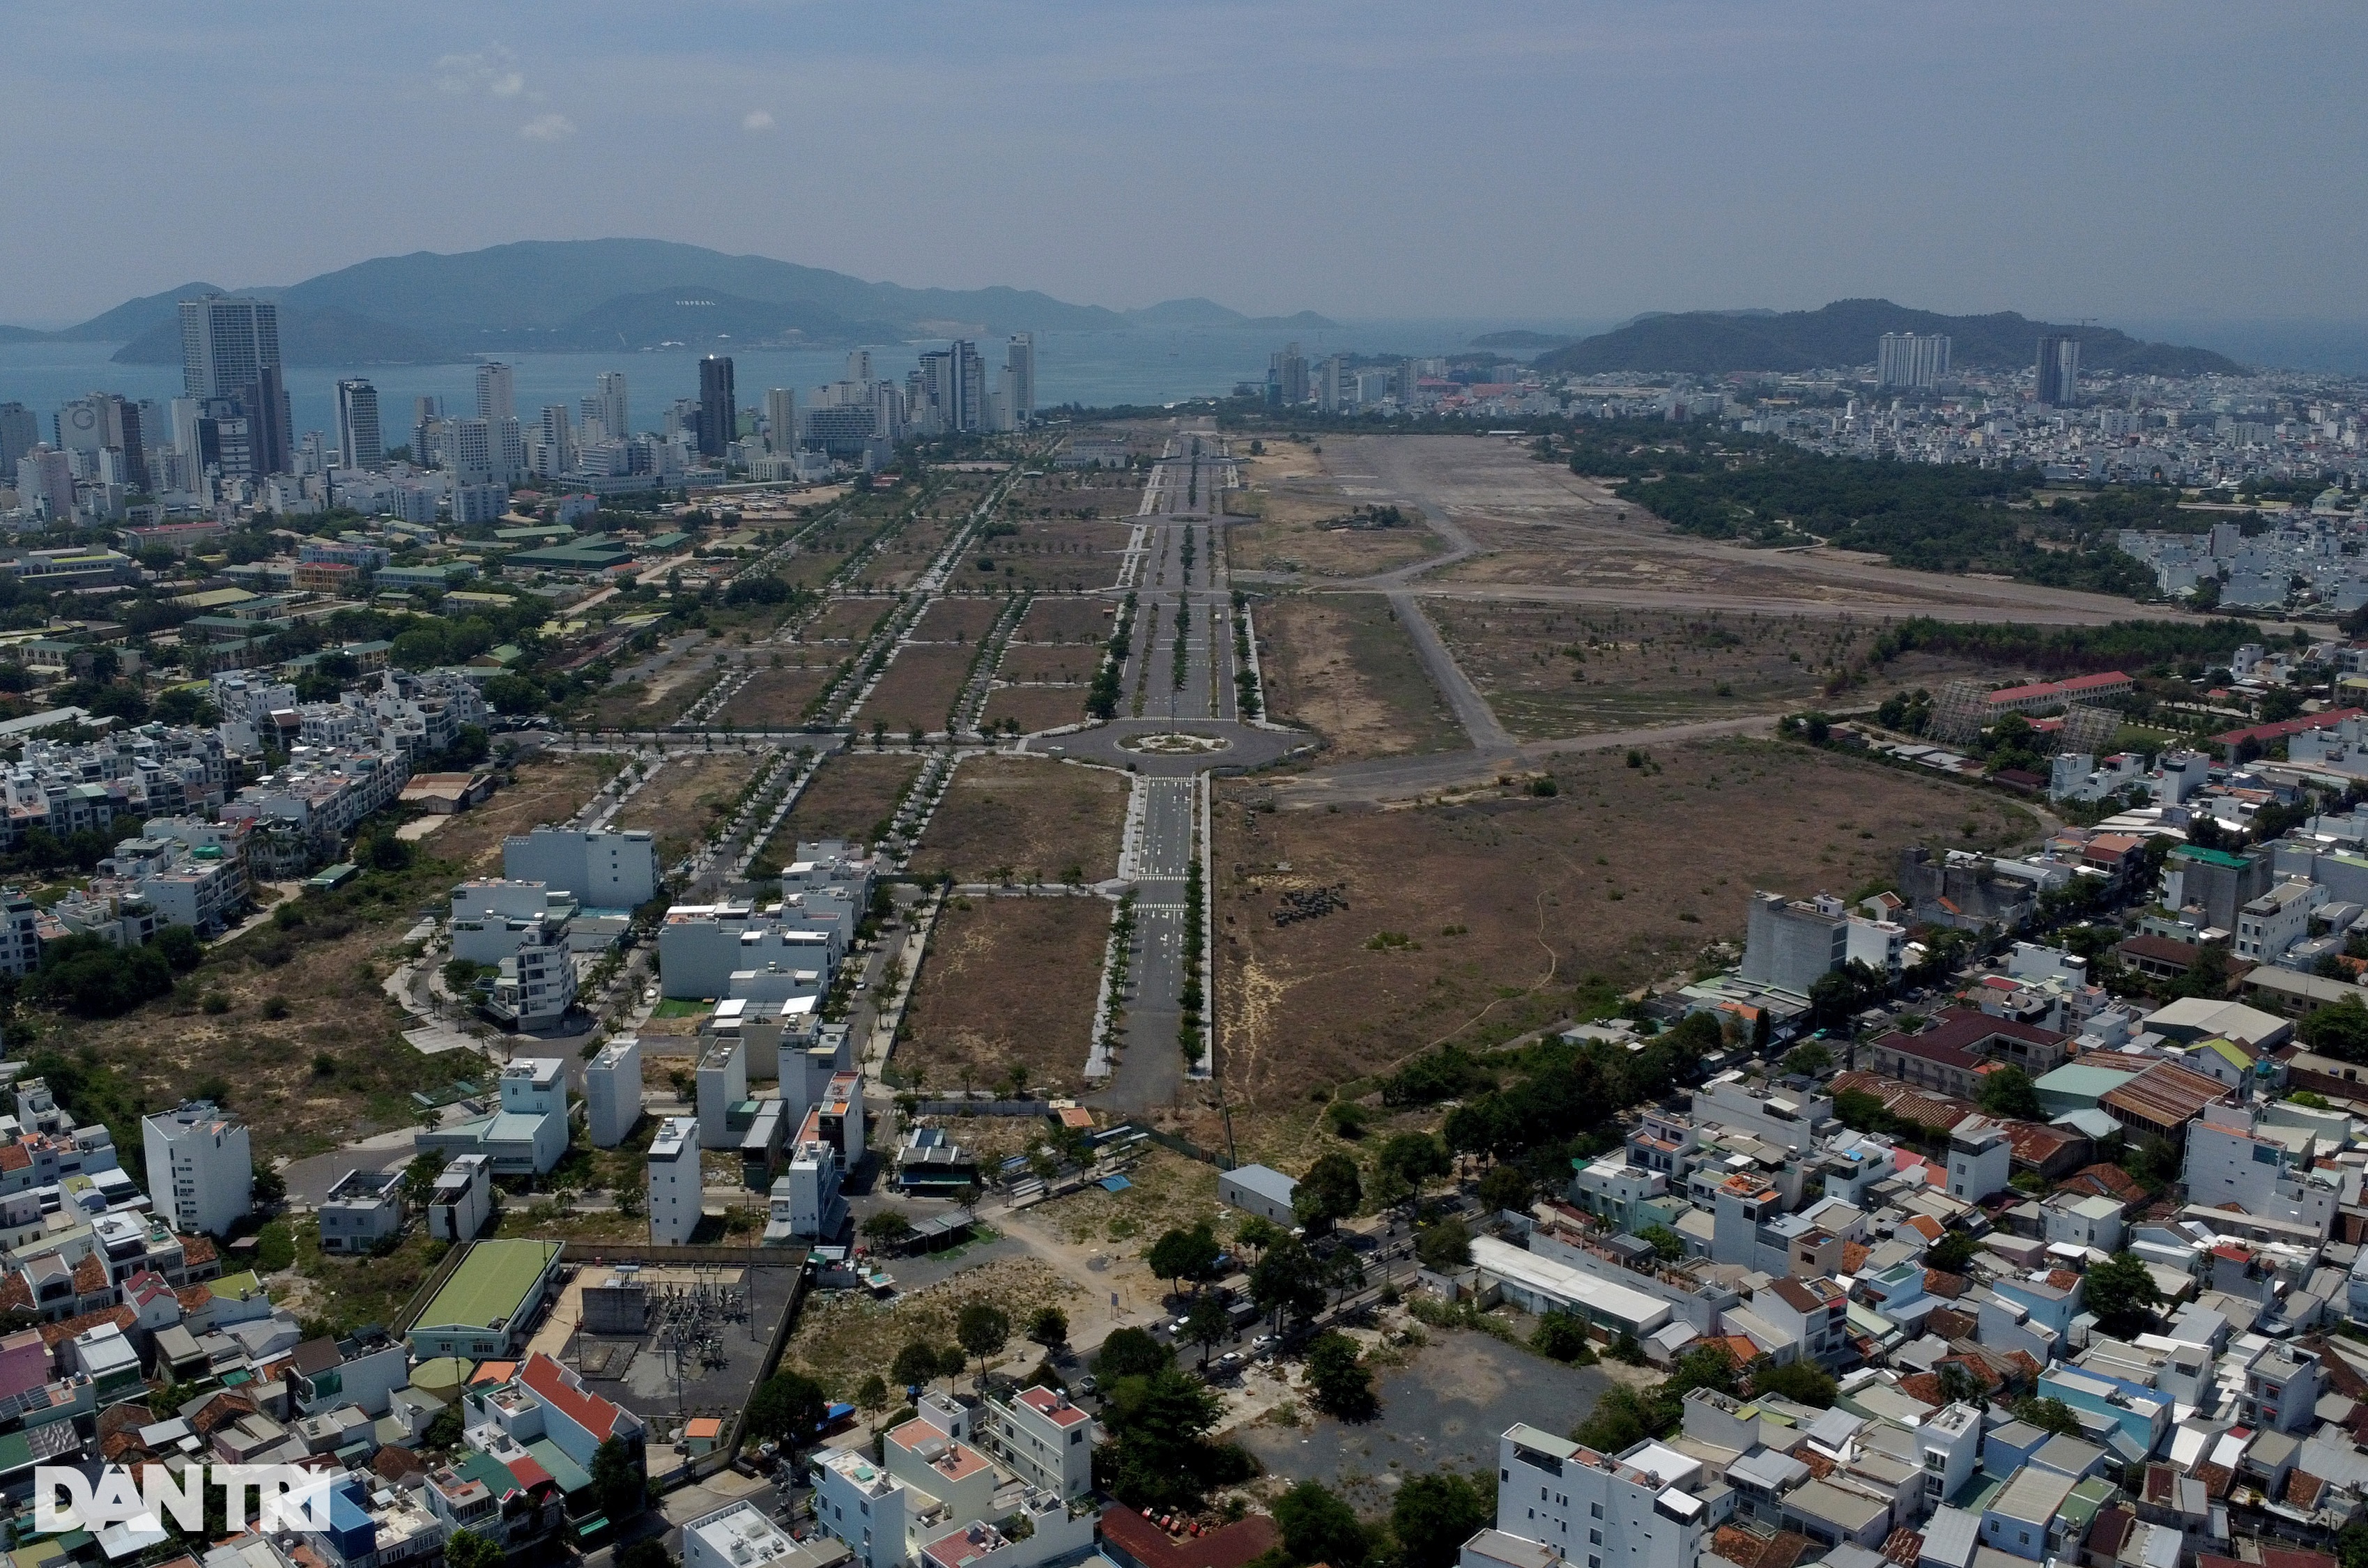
1844,333
585,294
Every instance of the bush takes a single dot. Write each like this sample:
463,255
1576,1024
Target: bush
93,978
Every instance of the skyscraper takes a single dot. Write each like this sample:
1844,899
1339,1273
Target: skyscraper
552,449
858,365
781,418
360,445
611,408
103,422
1020,376
2059,372
496,391
225,340
1332,385
472,452
20,434
1910,359
1286,377
719,413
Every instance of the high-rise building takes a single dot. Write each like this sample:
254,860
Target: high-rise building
719,413
20,434
1911,359
509,450
780,419
496,390
2059,371
552,449
45,482
102,422
471,454
1332,385
858,365
1286,376
272,422
1020,376
225,340
609,394
427,430
360,445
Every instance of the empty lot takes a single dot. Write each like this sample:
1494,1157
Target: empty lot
1017,816
1008,982
1341,665
917,689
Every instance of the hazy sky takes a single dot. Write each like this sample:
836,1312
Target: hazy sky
1377,158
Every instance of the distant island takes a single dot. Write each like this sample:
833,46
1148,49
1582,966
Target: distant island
1711,343
608,295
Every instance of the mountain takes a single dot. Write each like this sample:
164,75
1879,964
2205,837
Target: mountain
133,317
554,293
1844,334
1516,339
1299,321
309,338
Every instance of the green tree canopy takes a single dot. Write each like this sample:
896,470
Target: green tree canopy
1131,1353
1413,1158
1803,1380
788,1407
916,1364
2341,1031
1341,1383
1432,1516
467,1549
2121,1291
1287,1279
984,1329
1318,1526
1157,1454
1329,1193
1184,1256
2008,1093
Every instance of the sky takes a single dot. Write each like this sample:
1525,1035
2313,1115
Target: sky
1375,159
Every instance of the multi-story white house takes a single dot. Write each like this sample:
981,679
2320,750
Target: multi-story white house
199,1166
1636,1509
613,1092
675,1189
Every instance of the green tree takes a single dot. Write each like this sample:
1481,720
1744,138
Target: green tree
1622,1417
1318,1526
1184,1256
1131,1353
1505,1188
2008,1093
1048,1325
1668,1246
1413,1158
1206,1325
2341,1031
1563,1336
1443,1245
1157,1454
916,1365
1803,1380
1287,1279
1329,1193
888,1228
984,1329
617,1482
467,1549
1258,1232
1432,1516
873,1397
787,1407
2121,1291
2048,1415
1951,1254
1809,1060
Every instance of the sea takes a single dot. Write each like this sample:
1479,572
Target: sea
1097,369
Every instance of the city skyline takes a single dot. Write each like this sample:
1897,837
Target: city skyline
1671,158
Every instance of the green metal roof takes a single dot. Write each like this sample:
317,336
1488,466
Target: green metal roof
490,1285
572,1477
2220,858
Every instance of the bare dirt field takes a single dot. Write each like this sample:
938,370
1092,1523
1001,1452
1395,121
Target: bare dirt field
776,699
917,689
845,1337
547,790
851,794
656,702
958,620
903,557
1051,557
1474,920
689,797
1560,669
1035,707
1303,503
1060,619
1069,662
1341,665
1100,493
846,620
1007,981
1007,815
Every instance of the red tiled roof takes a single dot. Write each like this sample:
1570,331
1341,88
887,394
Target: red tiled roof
2285,727
1233,1546
2108,680
2105,1181
1903,1548
592,1413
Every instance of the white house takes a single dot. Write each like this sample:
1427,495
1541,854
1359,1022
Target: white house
675,1186
601,870
613,1092
198,1167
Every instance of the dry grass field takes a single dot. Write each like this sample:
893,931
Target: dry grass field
1035,707
847,621
917,689
776,699
686,799
958,620
853,793
1068,662
1300,503
1056,557
845,1337
1061,618
1474,919
1007,981
1025,815
547,790
1341,665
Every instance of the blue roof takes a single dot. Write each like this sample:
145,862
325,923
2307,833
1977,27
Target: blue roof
1115,1184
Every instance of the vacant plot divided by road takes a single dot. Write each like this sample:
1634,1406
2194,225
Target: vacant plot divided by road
690,796
546,788
957,619
1474,920
776,699
1308,520
1034,708
1055,557
1023,817
1341,665
850,796
1561,669
1008,982
917,689
1060,619
847,621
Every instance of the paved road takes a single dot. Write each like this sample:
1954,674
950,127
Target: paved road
1396,778
1471,710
